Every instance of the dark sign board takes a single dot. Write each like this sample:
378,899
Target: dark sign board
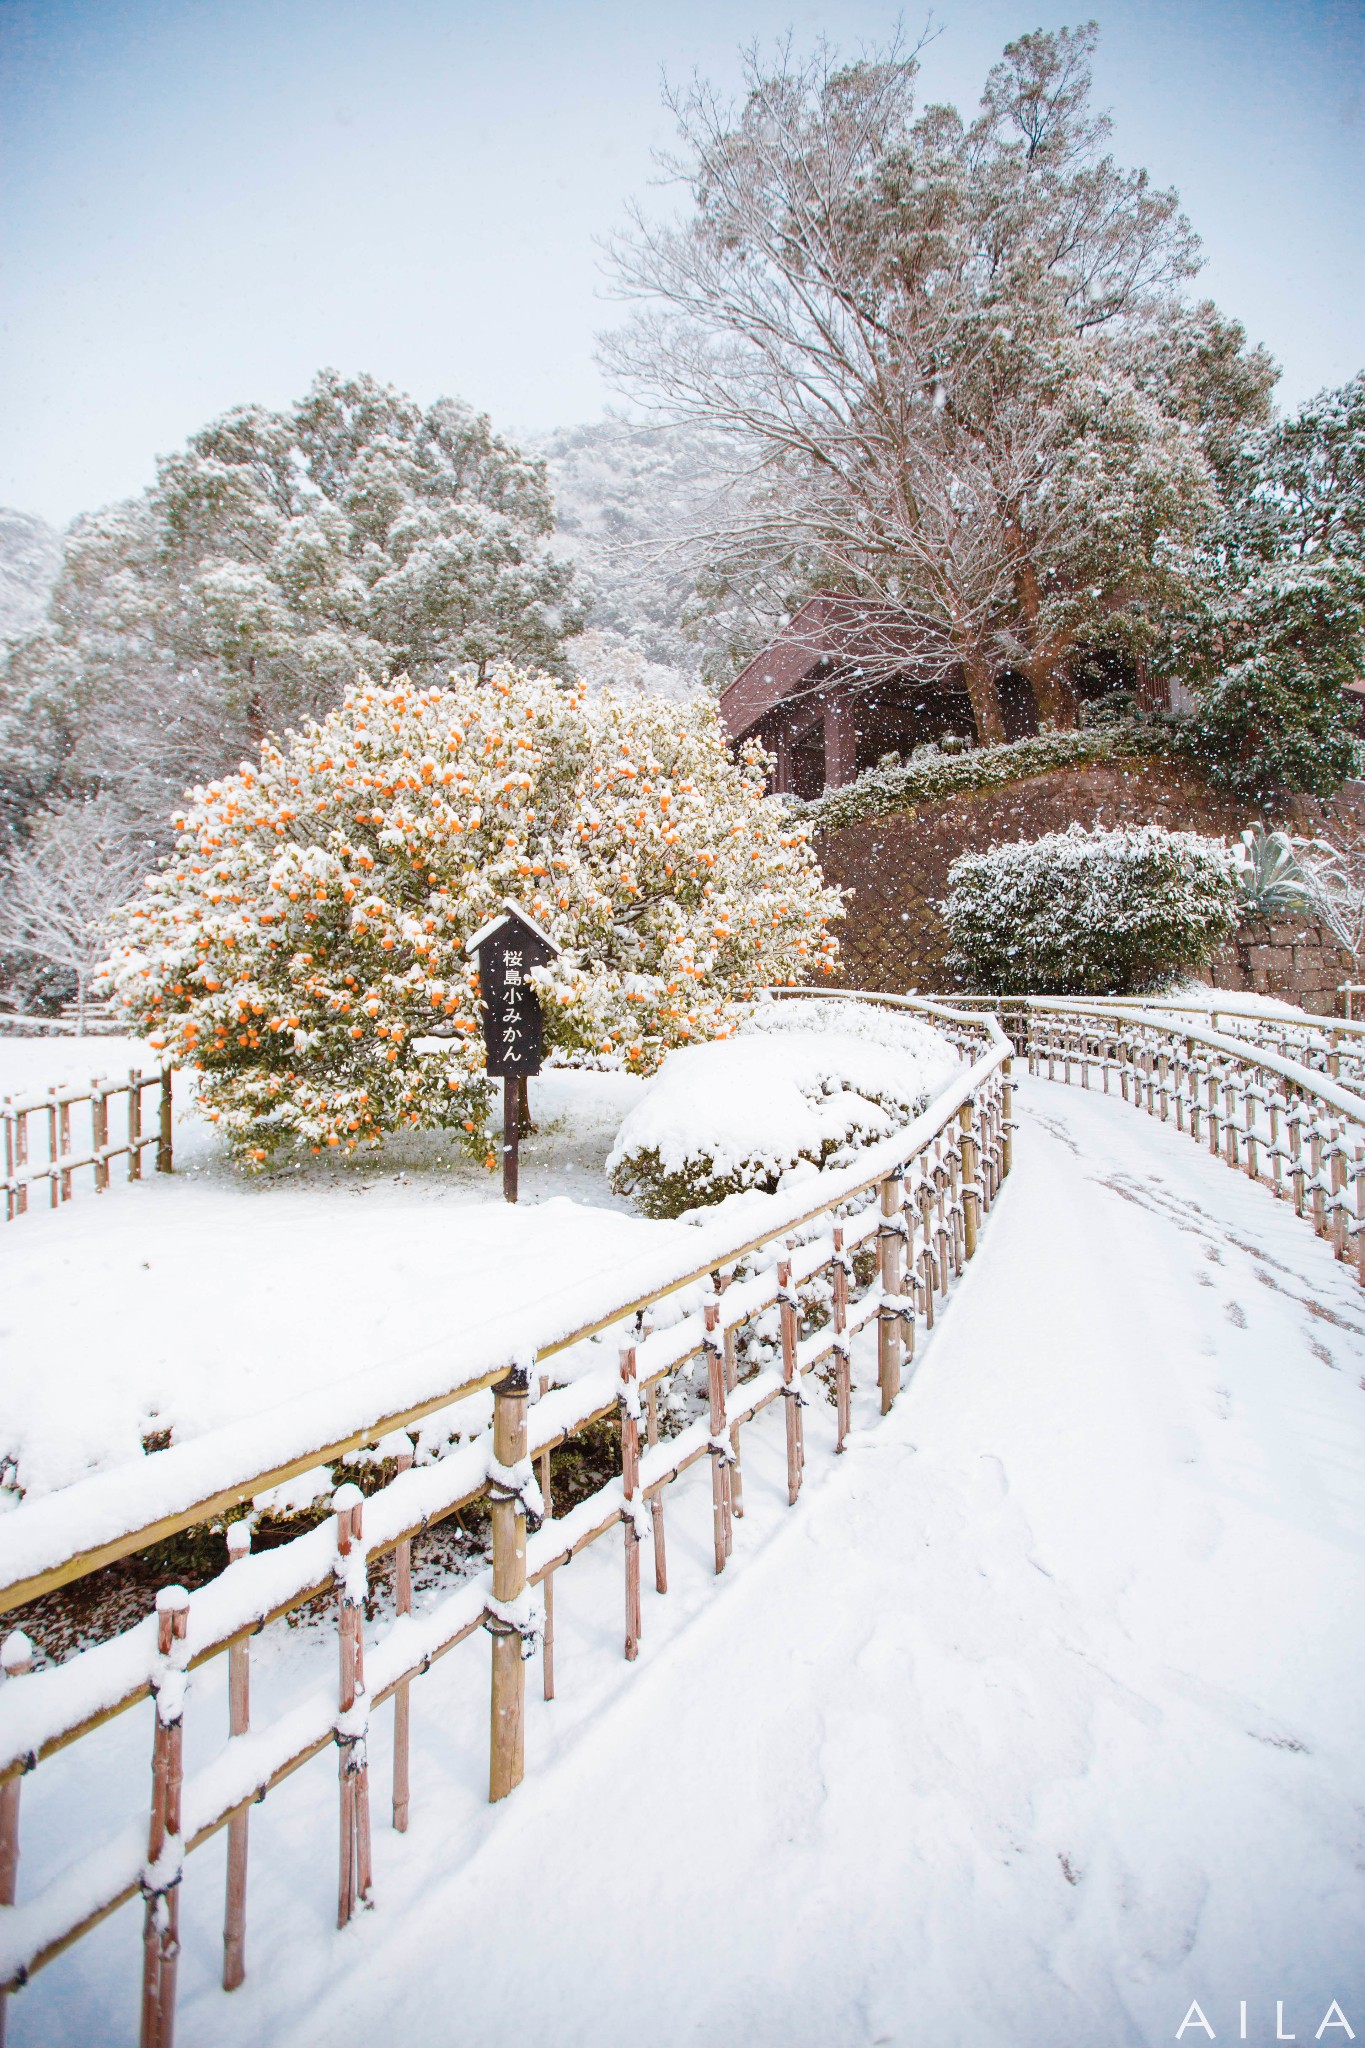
508,947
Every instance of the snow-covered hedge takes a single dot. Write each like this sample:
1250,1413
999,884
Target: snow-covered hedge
803,1081
930,773
1089,913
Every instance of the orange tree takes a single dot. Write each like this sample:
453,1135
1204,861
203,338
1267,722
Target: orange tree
309,928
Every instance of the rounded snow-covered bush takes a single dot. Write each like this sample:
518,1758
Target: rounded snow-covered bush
309,928
799,1081
1089,912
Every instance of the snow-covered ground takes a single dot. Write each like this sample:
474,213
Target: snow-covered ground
192,1299
1036,1720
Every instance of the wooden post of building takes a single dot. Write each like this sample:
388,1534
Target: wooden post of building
353,1888
164,1161
547,1584
889,1249
507,1745
402,1702
16,1656
161,1885
720,1473
630,1492
239,1722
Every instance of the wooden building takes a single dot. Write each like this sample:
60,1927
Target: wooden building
829,697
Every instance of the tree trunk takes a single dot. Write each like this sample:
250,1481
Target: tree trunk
1053,696
985,699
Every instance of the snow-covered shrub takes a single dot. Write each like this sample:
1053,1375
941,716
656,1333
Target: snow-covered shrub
799,1081
1271,880
1089,913
310,925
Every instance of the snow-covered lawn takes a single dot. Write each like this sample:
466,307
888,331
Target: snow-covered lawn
1034,1721
192,1299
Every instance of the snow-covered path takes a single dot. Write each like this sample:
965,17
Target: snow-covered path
1037,1719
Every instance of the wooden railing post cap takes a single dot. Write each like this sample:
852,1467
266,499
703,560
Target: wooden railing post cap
515,1384
346,1497
16,1653
238,1537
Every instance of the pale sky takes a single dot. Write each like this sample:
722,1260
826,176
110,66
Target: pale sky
204,201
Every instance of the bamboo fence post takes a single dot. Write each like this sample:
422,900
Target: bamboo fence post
134,1126
402,1696
1253,1169
970,1172
843,1379
791,1381
239,1722
16,1656
507,1743
656,1498
164,1163
1334,1055
11,1209
1360,1212
1007,1114
1315,1167
64,1145
714,1352
630,1493
161,1877
20,1160
1338,1155
547,1641
53,1176
1296,1175
889,1252
99,1133
353,1887
731,1382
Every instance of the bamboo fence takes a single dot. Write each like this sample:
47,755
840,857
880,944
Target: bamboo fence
913,1207
1296,1127
61,1157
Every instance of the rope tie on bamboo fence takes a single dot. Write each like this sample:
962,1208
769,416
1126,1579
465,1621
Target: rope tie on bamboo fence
523,1617
519,1483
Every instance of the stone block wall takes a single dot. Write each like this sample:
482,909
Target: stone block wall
896,867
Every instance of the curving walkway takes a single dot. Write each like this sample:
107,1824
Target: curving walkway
1036,1720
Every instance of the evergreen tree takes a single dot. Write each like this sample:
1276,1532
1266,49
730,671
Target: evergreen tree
277,556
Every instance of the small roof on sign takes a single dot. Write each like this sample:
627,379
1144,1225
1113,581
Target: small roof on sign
509,911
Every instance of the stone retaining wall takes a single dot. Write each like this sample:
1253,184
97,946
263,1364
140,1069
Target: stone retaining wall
897,867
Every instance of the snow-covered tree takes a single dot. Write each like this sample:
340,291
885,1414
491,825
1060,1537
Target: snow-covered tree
1089,913
79,861
1273,628
276,556
310,925
953,358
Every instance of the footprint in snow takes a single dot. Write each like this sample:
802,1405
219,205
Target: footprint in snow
1236,1315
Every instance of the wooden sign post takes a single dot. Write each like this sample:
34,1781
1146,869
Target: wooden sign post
507,948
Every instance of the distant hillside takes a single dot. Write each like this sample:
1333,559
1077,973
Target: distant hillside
30,556
622,494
